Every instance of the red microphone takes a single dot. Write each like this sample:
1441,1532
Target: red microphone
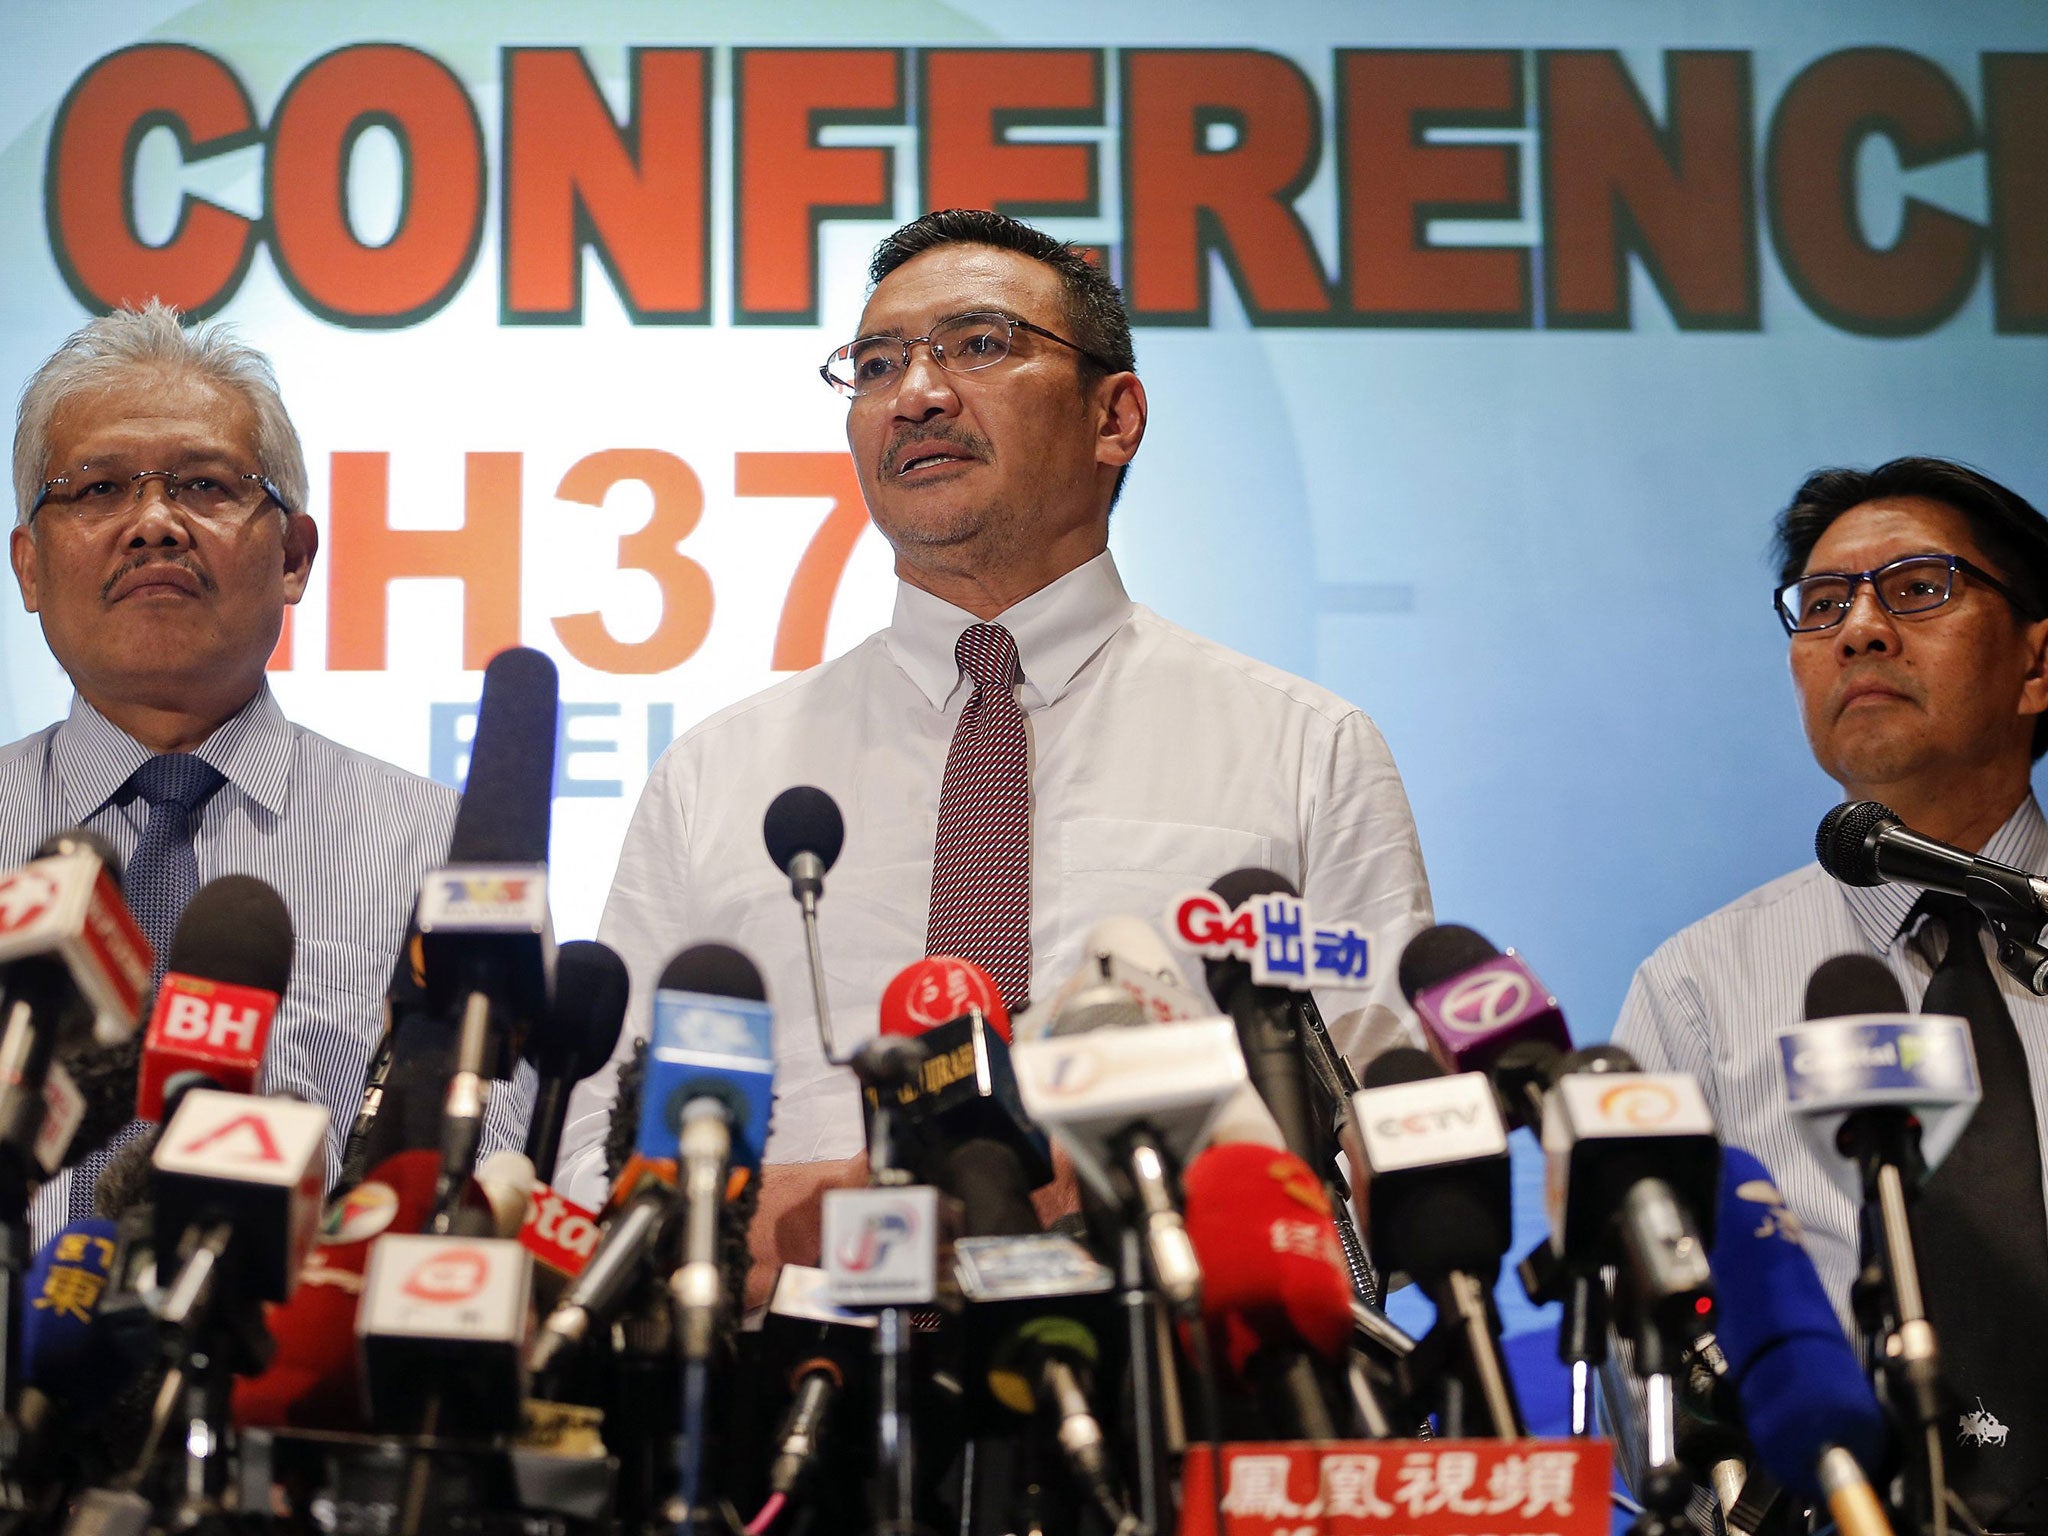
938,989
230,962
1275,1291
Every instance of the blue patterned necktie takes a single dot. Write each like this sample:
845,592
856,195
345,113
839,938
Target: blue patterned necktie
161,877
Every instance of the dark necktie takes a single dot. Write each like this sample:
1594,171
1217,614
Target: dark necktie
162,875
981,865
1983,1246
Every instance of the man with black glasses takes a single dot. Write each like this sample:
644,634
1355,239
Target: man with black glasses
1915,599
1023,751
160,533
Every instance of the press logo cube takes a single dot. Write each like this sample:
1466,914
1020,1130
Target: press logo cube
449,1288
1439,1120
706,1045
1276,935
881,1246
1617,1104
485,898
70,907
259,1161
204,1026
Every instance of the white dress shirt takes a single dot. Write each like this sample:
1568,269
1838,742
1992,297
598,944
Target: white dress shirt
1708,1001
1159,761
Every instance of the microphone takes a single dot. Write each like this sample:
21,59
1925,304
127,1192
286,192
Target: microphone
1269,1023
1811,1416
1863,843
71,1363
573,1039
804,833
1127,977
977,1143
230,962
1483,1010
483,916
817,1346
1434,1153
1276,1293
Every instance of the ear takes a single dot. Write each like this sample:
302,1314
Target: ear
21,550
301,544
1120,424
2034,680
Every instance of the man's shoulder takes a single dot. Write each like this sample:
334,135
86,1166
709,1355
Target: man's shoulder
1754,916
29,753
1208,660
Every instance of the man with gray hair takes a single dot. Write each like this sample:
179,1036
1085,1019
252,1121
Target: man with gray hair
160,532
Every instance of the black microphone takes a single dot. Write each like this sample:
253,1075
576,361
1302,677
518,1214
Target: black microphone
804,833
483,916
1864,843
574,1038
1269,1025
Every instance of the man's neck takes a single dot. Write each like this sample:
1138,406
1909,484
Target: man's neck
988,592
1964,815
166,728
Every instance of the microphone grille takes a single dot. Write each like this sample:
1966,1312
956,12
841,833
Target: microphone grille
716,970
1842,841
1439,953
1850,984
803,819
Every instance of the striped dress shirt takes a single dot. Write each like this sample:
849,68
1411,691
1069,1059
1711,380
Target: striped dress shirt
344,837
1709,1000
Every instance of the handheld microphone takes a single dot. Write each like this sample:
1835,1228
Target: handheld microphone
72,1363
1811,1416
1863,843
804,833
1275,1288
1269,1023
978,1144
1483,1010
573,1039
483,916
230,962
1435,1160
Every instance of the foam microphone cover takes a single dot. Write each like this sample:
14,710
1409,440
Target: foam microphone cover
580,1030
622,1132
236,929
803,819
937,990
508,798
1794,1371
62,1353
1438,953
1237,888
314,1381
1853,984
716,970
1272,1267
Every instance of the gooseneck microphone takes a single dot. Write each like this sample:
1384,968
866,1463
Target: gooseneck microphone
1864,843
804,833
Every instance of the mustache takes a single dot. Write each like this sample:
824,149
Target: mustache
182,562
911,441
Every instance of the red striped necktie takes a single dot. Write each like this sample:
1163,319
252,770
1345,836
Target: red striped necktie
981,867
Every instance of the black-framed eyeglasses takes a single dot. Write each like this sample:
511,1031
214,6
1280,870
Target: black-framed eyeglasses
963,344
1915,584
218,493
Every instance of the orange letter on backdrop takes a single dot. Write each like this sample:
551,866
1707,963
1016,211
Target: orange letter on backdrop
786,184
1676,197
368,554
2016,123
969,100
637,195
685,585
1923,276
807,611
1392,183
1185,194
91,164
329,106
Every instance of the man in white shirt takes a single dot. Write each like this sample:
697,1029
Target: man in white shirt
994,410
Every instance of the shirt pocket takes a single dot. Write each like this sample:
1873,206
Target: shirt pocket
1113,866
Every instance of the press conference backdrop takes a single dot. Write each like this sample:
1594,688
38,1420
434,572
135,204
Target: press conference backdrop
1482,340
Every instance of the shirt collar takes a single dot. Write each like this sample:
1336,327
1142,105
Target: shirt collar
1057,628
1881,910
93,757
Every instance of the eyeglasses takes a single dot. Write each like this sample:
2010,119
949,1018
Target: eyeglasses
1916,584
217,493
963,344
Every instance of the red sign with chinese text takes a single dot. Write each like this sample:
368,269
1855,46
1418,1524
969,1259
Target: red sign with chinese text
1401,1488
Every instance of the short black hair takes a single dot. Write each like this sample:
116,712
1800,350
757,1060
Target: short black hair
2011,533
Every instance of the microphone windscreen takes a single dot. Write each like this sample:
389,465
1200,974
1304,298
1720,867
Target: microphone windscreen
803,819
1400,1064
622,1131
128,1179
937,990
1241,885
1852,984
105,1077
237,930
716,970
62,1354
1795,1372
508,798
1842,841
1272,1267
580,1029
1438,953
313,1379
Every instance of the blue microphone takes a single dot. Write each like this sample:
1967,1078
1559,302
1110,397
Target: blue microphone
62,1353
711,1045
1812,1417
